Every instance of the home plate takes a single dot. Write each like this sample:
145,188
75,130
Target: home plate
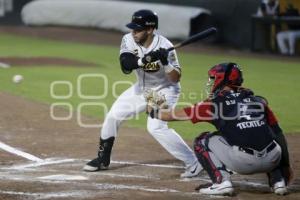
63,177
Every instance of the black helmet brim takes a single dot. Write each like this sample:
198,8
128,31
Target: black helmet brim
134,26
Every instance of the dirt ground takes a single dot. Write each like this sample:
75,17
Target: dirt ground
41,158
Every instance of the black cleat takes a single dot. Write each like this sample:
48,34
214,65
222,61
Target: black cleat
94,165
103,160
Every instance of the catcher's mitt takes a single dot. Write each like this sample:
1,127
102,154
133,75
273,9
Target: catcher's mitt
155,101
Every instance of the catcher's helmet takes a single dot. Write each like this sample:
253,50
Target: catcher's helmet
142,19
224,74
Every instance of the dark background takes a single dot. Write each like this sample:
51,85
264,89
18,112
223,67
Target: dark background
232,17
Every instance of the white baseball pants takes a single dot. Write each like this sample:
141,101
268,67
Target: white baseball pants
132,102
287,41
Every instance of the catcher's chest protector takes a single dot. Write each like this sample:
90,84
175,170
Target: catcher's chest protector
241,119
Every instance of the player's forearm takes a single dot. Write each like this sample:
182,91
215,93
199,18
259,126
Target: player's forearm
169,114
173,74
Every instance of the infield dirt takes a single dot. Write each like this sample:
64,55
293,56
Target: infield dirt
141,168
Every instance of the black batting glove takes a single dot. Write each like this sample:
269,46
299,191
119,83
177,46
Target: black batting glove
151,57
163,56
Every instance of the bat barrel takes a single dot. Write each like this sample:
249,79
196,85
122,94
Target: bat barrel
199,36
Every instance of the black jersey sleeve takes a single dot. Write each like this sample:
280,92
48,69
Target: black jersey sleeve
128,62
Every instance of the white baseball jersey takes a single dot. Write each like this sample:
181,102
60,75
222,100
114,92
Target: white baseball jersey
153,80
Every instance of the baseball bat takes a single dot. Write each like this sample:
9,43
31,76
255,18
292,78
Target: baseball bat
199,36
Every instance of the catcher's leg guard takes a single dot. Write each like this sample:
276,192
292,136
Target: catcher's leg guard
103,160
202,153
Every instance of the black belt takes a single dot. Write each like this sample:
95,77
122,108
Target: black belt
269,148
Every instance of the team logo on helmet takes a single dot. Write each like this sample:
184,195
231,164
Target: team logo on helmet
142,19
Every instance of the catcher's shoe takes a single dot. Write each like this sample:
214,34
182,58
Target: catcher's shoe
280,188
224,188
192,171
103,160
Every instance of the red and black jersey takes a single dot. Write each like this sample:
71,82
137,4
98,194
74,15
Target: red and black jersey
242,118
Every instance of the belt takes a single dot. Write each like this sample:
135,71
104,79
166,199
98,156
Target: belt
262,153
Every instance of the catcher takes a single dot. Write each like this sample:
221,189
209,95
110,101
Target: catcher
248,139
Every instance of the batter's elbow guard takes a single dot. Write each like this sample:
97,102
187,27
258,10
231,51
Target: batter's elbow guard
128,62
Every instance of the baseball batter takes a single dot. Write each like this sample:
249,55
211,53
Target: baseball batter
248,138
144,52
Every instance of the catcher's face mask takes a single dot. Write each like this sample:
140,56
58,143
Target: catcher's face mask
224,74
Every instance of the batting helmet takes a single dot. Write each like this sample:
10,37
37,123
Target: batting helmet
142,19
224,74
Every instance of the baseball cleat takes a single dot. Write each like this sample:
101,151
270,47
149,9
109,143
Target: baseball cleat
224,188
192,171
94,165
280,188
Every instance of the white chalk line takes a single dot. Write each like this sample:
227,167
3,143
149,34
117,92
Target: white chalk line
113,175
15,151
74,194
64,177
110,186
97,186
53,161
106,186
138,164
103,186
147,165
81,177
48,161
87,175
41,162
12,174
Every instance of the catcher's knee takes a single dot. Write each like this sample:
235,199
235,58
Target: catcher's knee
202,140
